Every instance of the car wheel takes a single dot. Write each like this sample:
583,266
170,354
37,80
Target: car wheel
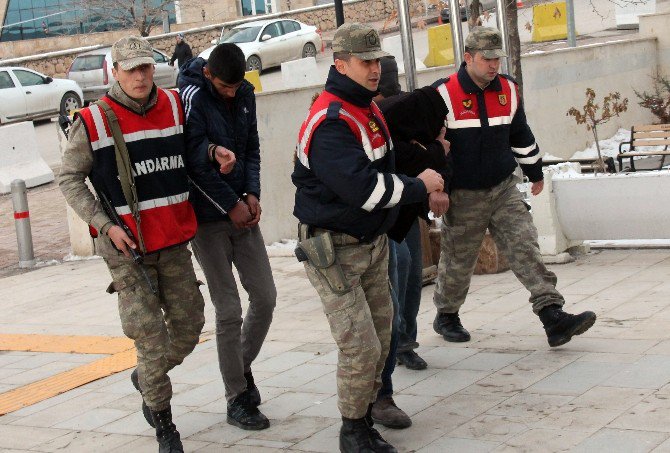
69,103
309,50
254,64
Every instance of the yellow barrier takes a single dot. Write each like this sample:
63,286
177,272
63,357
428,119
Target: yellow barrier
440,46
255,79
550,22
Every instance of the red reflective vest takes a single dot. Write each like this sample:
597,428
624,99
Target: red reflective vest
464,109
156,148
364,122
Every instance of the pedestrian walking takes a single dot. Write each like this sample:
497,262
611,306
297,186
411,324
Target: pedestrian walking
220,111
489,137
130,145
347,197
182,51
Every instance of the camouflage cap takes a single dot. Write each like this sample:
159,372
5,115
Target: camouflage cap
131,52
486,40
359,40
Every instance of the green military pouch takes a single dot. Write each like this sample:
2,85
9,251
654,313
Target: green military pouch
320,253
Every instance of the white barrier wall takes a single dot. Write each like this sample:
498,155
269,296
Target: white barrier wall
20,157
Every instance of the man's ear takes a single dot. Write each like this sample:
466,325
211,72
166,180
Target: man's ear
468,57
114,73
206,73
341,66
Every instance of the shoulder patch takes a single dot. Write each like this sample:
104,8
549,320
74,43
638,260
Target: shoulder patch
333,112
439,82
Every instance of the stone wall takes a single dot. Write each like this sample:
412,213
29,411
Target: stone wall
56,63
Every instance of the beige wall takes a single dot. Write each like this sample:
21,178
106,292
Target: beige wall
656,25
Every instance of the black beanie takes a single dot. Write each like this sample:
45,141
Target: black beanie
388,82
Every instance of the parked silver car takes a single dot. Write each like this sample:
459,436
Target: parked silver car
268,43
93,72
29,95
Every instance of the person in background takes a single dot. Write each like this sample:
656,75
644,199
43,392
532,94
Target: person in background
182,51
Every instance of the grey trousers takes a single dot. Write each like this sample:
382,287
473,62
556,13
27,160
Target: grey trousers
217,246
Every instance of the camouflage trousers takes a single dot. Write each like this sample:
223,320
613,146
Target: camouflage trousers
360,320
165,326
502,211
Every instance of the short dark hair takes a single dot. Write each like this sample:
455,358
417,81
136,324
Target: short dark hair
344,56
227,63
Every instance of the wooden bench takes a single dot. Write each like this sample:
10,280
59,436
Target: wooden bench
647,135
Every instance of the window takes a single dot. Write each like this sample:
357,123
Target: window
28,79
5,80
273,30
290,26
87,63
159,58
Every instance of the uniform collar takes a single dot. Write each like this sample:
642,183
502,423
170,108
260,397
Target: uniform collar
345,88
470,87
120,96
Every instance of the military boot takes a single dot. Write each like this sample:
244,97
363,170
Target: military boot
385,412
355,437
561,326
135,379
166,432
449,326
378,443
254,394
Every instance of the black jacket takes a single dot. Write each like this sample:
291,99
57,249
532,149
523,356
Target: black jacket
331,193
416,117
228,123
484,156
182,53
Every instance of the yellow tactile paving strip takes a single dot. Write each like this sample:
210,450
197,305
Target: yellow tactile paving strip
123,357
61,343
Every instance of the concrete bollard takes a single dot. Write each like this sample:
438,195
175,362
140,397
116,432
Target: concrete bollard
24,236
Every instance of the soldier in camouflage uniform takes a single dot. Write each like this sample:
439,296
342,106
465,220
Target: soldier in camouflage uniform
164,324
489,136
347,198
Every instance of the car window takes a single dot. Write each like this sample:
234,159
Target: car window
274,30
290,26
159,57
5,80
238,35
87,63
27,78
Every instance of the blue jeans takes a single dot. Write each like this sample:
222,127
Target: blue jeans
410,280
387,383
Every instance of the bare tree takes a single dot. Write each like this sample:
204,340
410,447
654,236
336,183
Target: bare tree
140,15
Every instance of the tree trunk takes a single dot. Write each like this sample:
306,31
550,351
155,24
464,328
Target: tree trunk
514,51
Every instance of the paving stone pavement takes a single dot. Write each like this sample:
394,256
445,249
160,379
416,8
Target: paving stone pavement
506,390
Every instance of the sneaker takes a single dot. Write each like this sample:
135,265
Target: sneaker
561,326
385,412
411,360
244,414
254,394
449,326
135,379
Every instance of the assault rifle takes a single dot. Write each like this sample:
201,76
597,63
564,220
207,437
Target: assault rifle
65,123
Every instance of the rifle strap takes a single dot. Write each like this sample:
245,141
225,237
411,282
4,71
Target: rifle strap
123,165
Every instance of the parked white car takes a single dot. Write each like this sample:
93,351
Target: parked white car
29,95
93,72
268,43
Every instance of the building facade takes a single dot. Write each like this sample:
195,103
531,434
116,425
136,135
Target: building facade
34,19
